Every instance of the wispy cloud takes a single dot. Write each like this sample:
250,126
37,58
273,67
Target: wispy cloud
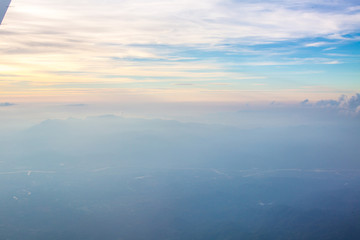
175,22
316,44
79,45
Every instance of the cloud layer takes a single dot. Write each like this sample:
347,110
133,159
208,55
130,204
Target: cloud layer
208,50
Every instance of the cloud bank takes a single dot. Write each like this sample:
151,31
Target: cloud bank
344,103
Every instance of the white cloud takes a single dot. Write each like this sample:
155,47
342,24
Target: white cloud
332,62
179,22
316,44
354,8
93,40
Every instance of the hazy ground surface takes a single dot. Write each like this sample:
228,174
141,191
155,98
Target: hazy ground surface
118,178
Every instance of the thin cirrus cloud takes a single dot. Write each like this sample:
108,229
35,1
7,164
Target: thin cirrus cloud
186,22
316,44
88,40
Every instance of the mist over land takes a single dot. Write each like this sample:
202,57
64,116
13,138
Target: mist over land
118,177
135,142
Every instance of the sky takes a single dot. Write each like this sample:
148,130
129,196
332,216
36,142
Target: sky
228,51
